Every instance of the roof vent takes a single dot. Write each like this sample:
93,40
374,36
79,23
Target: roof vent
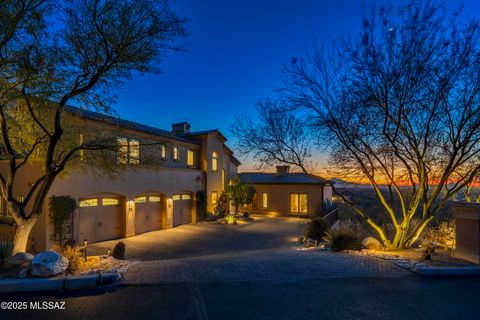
180,128
283,169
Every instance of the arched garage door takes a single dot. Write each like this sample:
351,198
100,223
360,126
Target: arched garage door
148,213
182,209
101,219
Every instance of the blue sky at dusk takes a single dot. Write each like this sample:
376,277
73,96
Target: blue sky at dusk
234,58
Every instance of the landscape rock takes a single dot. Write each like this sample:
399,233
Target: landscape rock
20,259
372,244
48,263
23,273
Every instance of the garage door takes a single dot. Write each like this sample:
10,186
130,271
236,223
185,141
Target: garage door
182,209
148,213
101,219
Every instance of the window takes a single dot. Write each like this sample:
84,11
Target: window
122,156
20,198
80,142
175,153
88,203
264,200
128,151
298,203
140,199
223,179
191,158
154,199
214,198
110,202
186,197
176,197
163,152
134,152
214,161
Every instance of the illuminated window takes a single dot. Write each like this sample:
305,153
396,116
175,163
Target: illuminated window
214,197
298,203
223,179
122,156
134,152
190,159
80,141
20,198
154,199
176,197
175,153
88,203
264,200
186,197
140,199
163,152
110,202
214,161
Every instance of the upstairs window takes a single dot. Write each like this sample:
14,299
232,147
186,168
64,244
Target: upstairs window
134,152
214,162
191,158
175,153
128,151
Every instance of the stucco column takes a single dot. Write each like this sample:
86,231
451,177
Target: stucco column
194,208
129,217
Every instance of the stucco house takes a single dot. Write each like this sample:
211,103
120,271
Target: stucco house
139,199
286,193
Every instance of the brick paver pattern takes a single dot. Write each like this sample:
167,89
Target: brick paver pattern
258,250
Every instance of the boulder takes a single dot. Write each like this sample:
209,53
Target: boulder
372,244
20,259
48,263
23,273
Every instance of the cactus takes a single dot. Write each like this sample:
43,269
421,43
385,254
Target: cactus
119,251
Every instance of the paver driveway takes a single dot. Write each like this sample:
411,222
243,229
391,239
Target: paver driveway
258,250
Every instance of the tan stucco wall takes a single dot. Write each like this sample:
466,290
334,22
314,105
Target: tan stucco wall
279,198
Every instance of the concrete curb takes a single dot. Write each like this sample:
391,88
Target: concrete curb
448,271
88,281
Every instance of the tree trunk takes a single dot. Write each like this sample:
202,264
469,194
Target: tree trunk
22,233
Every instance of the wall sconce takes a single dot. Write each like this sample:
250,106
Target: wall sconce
169,202
130,206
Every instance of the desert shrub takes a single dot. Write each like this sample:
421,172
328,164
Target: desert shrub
6,251
316,229
231,219
345,235
119,251
75,256
443,234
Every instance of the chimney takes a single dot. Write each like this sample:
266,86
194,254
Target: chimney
283,169
180,128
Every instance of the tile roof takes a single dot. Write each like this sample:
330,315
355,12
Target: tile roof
96,116
275,178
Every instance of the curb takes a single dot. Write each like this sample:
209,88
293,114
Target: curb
88,281
448,271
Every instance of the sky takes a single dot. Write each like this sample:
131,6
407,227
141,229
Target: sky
234,57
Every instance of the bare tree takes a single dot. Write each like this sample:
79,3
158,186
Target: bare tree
399,106
277,137
94,46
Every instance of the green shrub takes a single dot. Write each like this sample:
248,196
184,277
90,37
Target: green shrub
346,241
231,219
119,251
316,229
345,235
6,251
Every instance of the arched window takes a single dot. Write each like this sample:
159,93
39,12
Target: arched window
214,161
